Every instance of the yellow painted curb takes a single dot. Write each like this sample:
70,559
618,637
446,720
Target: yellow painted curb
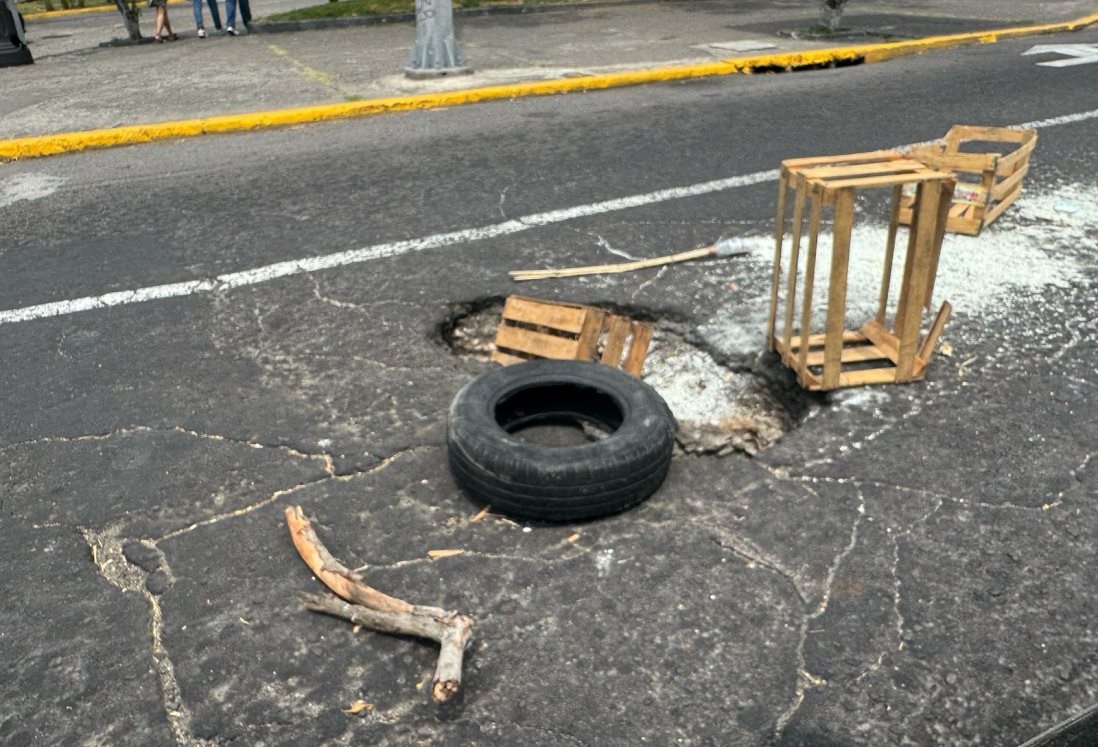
68,142
80,11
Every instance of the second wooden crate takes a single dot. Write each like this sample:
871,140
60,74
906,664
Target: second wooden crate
987,182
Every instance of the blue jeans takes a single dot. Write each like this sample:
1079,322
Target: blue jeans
215,16
230,11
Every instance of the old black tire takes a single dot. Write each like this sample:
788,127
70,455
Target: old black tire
568,483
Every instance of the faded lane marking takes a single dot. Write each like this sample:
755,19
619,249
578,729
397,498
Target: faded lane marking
308,71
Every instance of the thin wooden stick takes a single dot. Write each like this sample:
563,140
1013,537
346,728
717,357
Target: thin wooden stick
371,608
640,264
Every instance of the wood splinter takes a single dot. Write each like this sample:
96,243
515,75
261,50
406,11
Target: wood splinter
372,609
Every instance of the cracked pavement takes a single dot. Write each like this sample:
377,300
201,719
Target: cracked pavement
911,565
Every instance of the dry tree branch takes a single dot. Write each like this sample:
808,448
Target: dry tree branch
336,576
372,609
451,633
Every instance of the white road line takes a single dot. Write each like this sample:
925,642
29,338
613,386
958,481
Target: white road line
1055,121
378,251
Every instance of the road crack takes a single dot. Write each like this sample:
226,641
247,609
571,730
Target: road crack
804,678
107,555
332,301
325,458
753,555
282,493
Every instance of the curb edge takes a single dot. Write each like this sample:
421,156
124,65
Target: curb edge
70,142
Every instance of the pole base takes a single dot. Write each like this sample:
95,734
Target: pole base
425,73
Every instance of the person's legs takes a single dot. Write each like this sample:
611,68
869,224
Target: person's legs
161,14
215,14
245,13
196,6
230,13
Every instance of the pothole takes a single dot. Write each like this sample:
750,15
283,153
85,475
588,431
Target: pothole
719,409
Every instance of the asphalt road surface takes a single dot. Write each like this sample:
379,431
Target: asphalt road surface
911,565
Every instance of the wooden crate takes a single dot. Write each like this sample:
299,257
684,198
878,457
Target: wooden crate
874,353
987,182
532,329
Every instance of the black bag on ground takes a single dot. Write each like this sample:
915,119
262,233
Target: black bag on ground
12,49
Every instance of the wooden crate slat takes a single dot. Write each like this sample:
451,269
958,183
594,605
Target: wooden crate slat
926,351
1009,164
851,354
972,163
536,343
588,342
921,264
966,226
638,349
809,380
914,177
506,358
776,272
810,274
868,376
815,341
882,339
1006,202
1004,188
890,252
795,164
794,258
990,134
617,330
836,298
941,224
885,167
565,317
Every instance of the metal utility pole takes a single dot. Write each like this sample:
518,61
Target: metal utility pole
435,52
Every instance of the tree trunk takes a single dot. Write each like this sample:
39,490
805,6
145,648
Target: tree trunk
129,16
830,13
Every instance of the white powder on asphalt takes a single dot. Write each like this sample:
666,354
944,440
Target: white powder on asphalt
717,410
28,187
1032,246
693,384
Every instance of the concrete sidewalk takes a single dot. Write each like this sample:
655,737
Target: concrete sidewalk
79,89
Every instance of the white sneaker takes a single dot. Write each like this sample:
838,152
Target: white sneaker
230,31
202,33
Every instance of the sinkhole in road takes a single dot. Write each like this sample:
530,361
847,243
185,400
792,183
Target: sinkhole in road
720,409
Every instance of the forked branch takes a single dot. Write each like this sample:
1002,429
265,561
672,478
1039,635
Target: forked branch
372,609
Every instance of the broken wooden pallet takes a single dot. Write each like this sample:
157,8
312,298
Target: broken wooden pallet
531,329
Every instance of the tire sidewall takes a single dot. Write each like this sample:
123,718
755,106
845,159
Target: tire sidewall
486,459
